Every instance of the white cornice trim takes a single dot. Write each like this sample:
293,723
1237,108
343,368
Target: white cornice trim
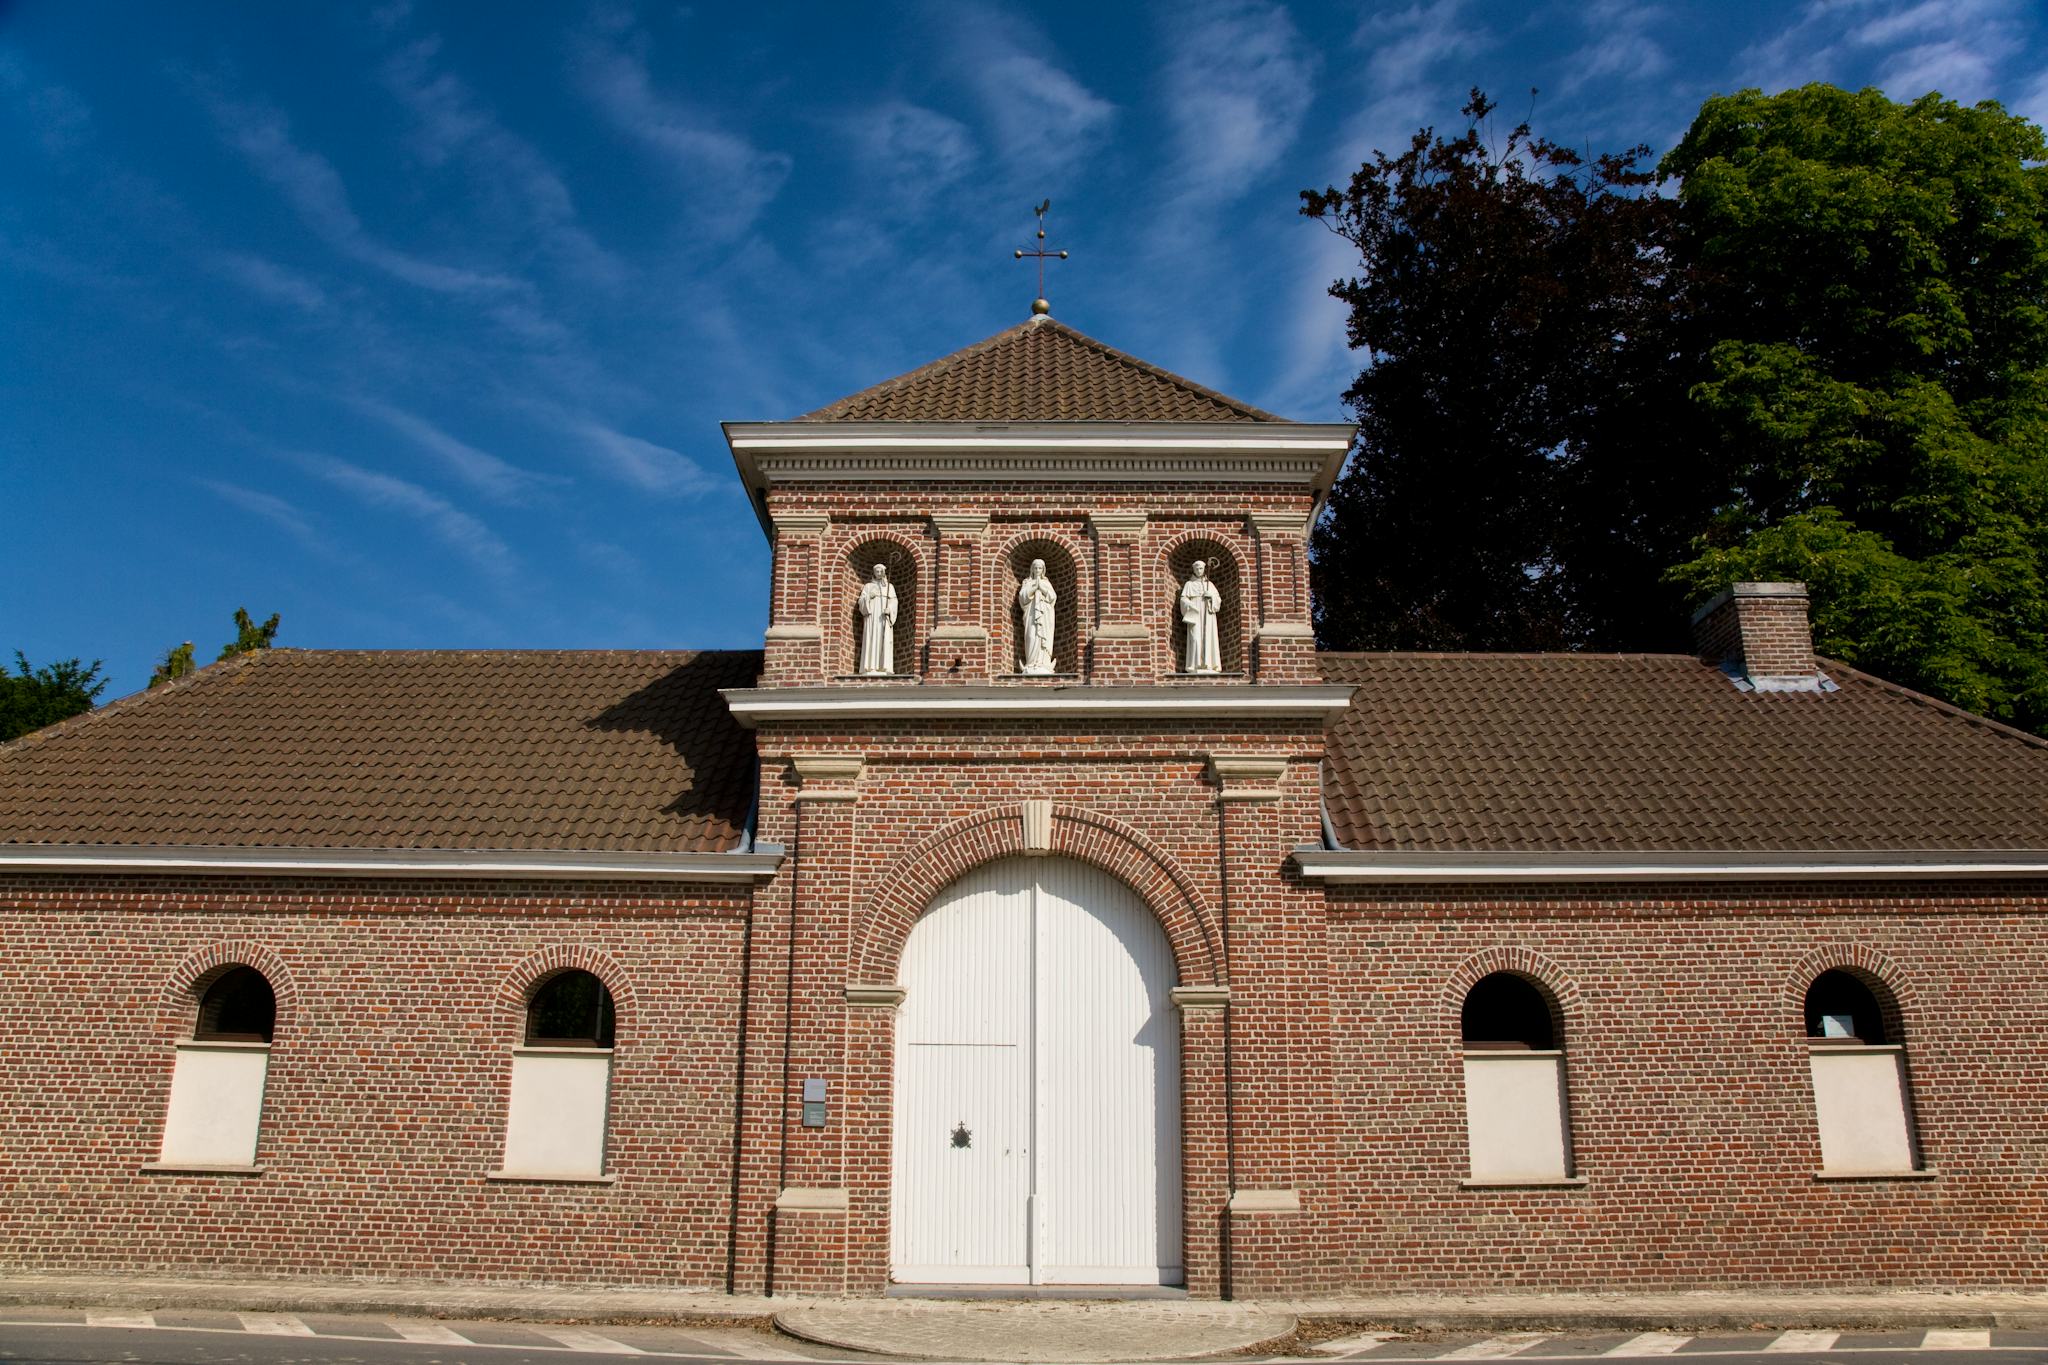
392,862
1075,436
1353,865
750,705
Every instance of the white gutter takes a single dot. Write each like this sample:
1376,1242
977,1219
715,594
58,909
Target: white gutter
1218,437
751,705
392,862
1353,865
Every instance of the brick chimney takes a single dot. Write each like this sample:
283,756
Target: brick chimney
1758,632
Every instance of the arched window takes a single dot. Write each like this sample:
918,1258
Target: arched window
1516,1121
1861,1097
570,1009
561,1082
240,1007
217,1080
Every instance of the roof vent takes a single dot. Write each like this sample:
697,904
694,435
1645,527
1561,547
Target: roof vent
1758,633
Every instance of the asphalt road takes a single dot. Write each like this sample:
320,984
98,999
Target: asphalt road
59,1339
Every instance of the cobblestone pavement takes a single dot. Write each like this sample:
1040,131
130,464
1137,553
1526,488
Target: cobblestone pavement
1055,1331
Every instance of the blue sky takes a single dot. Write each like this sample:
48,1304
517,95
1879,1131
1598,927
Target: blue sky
415,322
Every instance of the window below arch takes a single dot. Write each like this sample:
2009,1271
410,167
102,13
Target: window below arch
559,1108
1517,1126
215,1114
1861,1094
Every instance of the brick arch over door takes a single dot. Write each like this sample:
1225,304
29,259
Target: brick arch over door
910,886
179,1005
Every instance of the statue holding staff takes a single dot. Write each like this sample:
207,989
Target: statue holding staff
1037,602
1199,604
878,624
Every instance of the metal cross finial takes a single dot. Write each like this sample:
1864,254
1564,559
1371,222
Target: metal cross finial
1039,307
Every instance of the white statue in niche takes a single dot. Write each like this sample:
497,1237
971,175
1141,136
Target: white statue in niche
1037,603
1199,604
878,624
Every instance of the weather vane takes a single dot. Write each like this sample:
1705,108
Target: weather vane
1039,307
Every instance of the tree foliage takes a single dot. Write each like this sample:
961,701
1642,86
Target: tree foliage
1876,278
1514,484
176,663
31,698
1824,357
248,635
180,660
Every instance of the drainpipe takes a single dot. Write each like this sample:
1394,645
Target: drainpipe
796,864
1229,1061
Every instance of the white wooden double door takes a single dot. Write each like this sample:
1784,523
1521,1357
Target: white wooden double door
1037,1085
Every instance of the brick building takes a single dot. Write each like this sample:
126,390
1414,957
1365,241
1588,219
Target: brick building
1309,972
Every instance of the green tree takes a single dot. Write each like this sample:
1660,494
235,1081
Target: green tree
1874,276
177,662
248,635
1523,475
181,660
31,698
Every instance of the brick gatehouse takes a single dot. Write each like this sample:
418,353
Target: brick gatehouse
1273,972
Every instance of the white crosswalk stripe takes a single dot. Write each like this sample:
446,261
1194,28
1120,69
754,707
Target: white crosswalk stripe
274,1325
1957,1339
576,1339
1497,1348
120,1320
430,1333
1649,1344
1805,1341
1354,1344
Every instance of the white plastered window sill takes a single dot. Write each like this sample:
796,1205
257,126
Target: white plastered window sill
195,1168
532,1178
1548,1182
1925,1173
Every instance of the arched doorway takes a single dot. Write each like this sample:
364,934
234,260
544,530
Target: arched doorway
1037,1132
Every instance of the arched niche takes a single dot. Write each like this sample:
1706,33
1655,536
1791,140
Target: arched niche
1065,576
900,564
1222,567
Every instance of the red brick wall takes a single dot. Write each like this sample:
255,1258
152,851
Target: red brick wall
385,1105
1691,1102
960,577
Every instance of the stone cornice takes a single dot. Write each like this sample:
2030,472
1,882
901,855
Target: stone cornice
915,701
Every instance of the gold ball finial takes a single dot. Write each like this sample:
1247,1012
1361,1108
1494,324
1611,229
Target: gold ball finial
1039,308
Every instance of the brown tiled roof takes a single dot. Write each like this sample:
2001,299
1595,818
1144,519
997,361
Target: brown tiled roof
1038,371
498,749
1580,753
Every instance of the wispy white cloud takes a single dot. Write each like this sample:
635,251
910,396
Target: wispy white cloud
273,509
452,121
268,280
1955,46
906,152
640,463
458,530
731,180
1619,44
494,477
1041,118
1238,83
59,119
1415,58
309,182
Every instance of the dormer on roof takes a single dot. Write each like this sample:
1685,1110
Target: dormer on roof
1041,454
